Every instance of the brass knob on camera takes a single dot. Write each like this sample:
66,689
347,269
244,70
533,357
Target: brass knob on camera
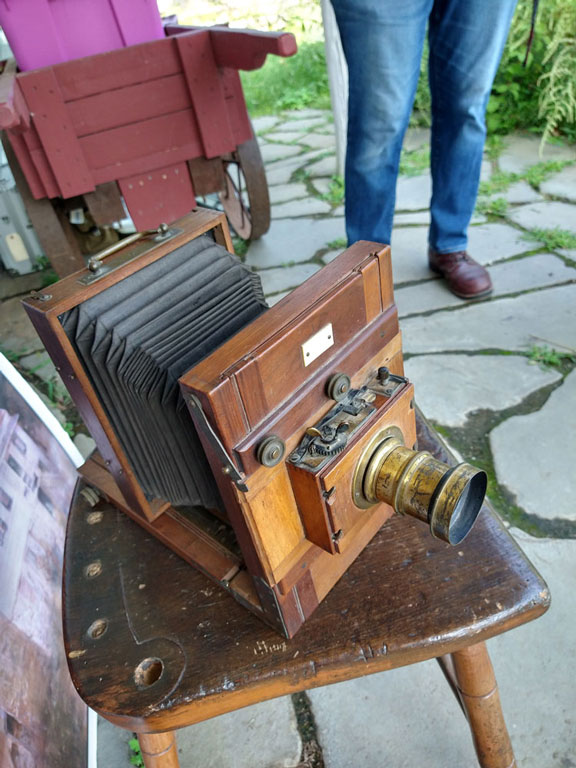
415,483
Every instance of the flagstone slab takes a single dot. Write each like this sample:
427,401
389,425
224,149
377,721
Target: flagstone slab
327,166
451,387
322,185
280,193
283,137
302,126
413,192
520,192
410,219
264,735
272,152
409,255
486,170
275,298
331,255
308,206
285,278
535,455
282,173
507,277
407,717
17,334
546,215
293,240
415,138
562,184
531,663
520,152
265,123
508,324
492,242
319,140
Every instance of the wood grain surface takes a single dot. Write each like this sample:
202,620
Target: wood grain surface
408,597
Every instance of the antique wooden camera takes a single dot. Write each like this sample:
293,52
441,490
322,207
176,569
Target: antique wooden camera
264,446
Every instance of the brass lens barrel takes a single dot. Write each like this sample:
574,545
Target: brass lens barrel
415,483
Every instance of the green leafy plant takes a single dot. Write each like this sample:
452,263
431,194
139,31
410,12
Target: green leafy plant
293,83
136,756
553,239
498,182
11,356
335,194
540,96
496,206
415,162
557,103
240,246
340,242
548,357
538,173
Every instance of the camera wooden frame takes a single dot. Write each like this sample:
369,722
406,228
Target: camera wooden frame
258,384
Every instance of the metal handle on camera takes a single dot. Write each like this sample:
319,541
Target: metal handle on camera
96,260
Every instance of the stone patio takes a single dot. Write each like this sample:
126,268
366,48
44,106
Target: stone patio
473,378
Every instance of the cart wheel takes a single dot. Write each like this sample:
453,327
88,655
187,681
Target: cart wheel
245,199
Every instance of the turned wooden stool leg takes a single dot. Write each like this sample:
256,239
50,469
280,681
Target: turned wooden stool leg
159,750
479,695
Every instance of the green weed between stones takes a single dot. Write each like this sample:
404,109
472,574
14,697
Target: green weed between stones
340,242
548,357
500,181
553,239
415,162
240,246
335,194
495,207
473,442
136,756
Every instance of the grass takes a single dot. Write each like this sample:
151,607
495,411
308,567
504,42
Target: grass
335,194
415,162
553,239
497,206
295,83
240,246
547,357
340,242
136,756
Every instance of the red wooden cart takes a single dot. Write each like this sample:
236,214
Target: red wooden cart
159,123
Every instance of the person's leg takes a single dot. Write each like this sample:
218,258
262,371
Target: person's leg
382,41
466,41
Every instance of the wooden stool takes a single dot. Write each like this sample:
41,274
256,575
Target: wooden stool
154,646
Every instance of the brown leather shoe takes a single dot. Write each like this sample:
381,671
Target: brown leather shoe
465,277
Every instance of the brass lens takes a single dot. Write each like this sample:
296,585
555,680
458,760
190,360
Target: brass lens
415,483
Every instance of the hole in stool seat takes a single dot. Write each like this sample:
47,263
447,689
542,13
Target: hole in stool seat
148,672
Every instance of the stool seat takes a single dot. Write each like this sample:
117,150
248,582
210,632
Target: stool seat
153,645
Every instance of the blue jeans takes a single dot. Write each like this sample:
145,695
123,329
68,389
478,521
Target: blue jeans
383,42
